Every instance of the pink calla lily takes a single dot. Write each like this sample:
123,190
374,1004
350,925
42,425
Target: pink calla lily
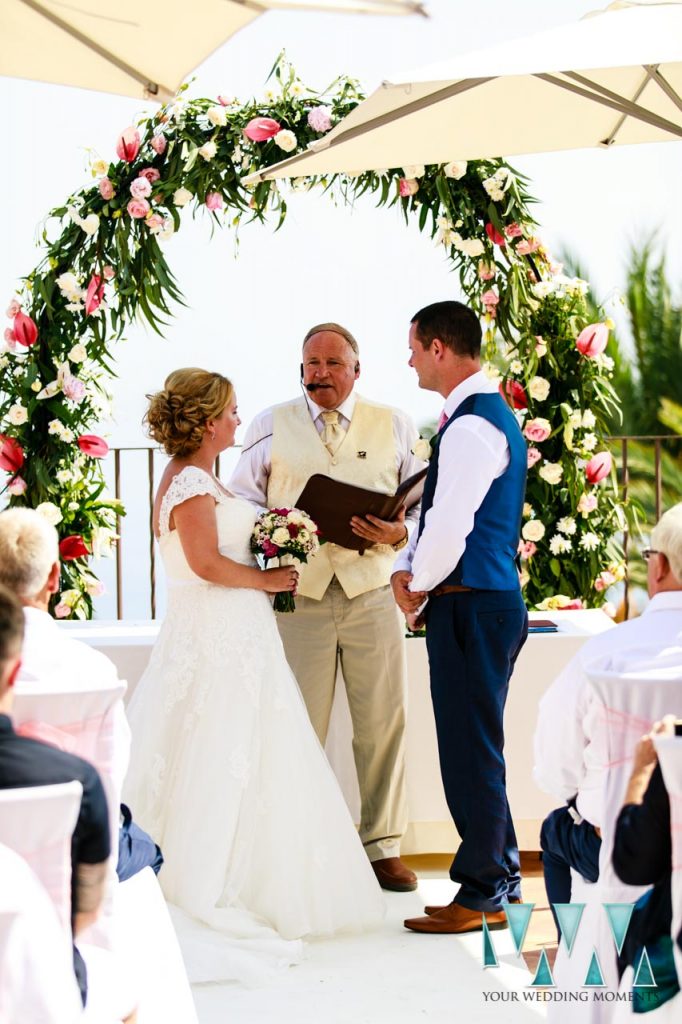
592,340
260,129
25,330
598,467
94,294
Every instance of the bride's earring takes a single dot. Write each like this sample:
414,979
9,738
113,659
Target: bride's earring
211,431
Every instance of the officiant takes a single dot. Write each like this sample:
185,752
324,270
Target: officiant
344,609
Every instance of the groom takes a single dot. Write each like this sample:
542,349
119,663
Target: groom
461,566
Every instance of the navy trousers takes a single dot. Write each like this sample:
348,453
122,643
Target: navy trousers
473,639
566,845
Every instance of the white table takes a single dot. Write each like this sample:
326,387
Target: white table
128,644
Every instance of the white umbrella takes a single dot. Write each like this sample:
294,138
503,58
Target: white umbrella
613,78
137,47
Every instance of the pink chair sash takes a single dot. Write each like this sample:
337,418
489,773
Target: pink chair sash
87,739
623,731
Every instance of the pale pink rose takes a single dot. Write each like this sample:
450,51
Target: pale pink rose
592,340
138,208
587,504
17,485
158,143
528,549
599,584
408,186
62,610
73,388
106,189
151,174
12,310
141,188
598,467
319,119
527,245
534,455
490,298
485,271
155,222
214,201
109,273
537,430
513,231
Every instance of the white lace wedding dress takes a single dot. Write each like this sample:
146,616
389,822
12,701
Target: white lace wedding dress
228,776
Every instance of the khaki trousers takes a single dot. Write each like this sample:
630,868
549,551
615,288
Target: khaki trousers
365,635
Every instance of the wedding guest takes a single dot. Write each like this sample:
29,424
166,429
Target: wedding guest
344,609
569,754
463,560
27,762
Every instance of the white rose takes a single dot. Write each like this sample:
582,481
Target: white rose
533,530
50,512
182,196
566,525
281,536
414,171
457,169
91,224
286,140
552,472
208,151
18,414
422,449
559,545
589,419
589,541
217,116
78,353
538,388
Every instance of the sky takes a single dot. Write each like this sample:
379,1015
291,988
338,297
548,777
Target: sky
247,312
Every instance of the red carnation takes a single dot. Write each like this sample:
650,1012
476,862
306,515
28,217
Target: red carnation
73,547
11,454
25,330
94,446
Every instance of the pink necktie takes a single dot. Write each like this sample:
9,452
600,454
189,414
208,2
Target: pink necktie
443,420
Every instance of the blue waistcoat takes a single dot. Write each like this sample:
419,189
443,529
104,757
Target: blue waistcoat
489,558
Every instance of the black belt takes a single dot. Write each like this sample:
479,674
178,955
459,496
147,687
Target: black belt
449,588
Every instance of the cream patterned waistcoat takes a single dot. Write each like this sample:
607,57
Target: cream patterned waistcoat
366,457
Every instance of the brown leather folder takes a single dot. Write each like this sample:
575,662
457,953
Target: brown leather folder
331,504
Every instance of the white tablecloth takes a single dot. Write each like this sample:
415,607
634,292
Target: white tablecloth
431,830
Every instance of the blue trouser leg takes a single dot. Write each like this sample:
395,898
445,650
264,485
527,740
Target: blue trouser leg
473,640
566,845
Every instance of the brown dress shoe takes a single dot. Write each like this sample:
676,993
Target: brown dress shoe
392,874
434,909
455,920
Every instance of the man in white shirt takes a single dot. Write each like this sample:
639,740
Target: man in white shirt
462,563
344,608
570,755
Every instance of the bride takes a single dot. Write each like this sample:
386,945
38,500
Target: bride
226,772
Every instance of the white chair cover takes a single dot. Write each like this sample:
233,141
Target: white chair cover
669,749
37,823
630,702
37,982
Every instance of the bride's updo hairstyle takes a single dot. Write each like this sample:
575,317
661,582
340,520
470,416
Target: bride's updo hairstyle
177,416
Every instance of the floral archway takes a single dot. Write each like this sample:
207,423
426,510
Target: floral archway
104,264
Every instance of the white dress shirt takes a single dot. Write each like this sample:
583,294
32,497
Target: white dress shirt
570,753
472,453
250,478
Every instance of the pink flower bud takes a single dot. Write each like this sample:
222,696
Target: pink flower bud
109,273
13,308
214,201
158,143
94,294
17,486
513,230
485,271
598,467
62,610
260,129
592,340
128,145
534,455
106,189
490,298
154,221
527,245
408,187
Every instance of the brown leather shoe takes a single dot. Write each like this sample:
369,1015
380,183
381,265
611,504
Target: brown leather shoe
434,909
455,920
392,874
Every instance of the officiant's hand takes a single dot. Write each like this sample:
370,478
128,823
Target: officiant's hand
407,600
380,531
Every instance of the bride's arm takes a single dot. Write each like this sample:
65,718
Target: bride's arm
195,522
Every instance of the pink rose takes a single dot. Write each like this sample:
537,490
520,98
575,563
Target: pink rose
109,273
12,310
17,486
494,235
140,188
138,208
534,455
587,504
151,174
270,550
598,467
158,143
527,245
592,340
155,222
214,201
73,388
106,189
527,549
408,186
485,272
94,294
260,129
513,231
128,145
93,445
599,584
25,330
490,298
537,430
62,610
319,119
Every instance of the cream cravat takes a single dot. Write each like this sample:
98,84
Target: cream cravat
332,432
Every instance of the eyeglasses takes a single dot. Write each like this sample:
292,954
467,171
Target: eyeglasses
648,552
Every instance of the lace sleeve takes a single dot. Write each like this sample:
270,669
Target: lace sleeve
188,483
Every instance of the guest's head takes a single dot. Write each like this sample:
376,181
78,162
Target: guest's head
330,364
29,556
664,570
445,345
11,640
196,411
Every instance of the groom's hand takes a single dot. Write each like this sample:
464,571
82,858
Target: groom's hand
407,600
380,531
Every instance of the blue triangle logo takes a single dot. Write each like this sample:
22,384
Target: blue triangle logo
619,915
543,972
568,915
489,955
518,919
594,977
644,976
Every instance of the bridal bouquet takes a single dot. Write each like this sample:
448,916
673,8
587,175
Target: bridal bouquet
287,532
